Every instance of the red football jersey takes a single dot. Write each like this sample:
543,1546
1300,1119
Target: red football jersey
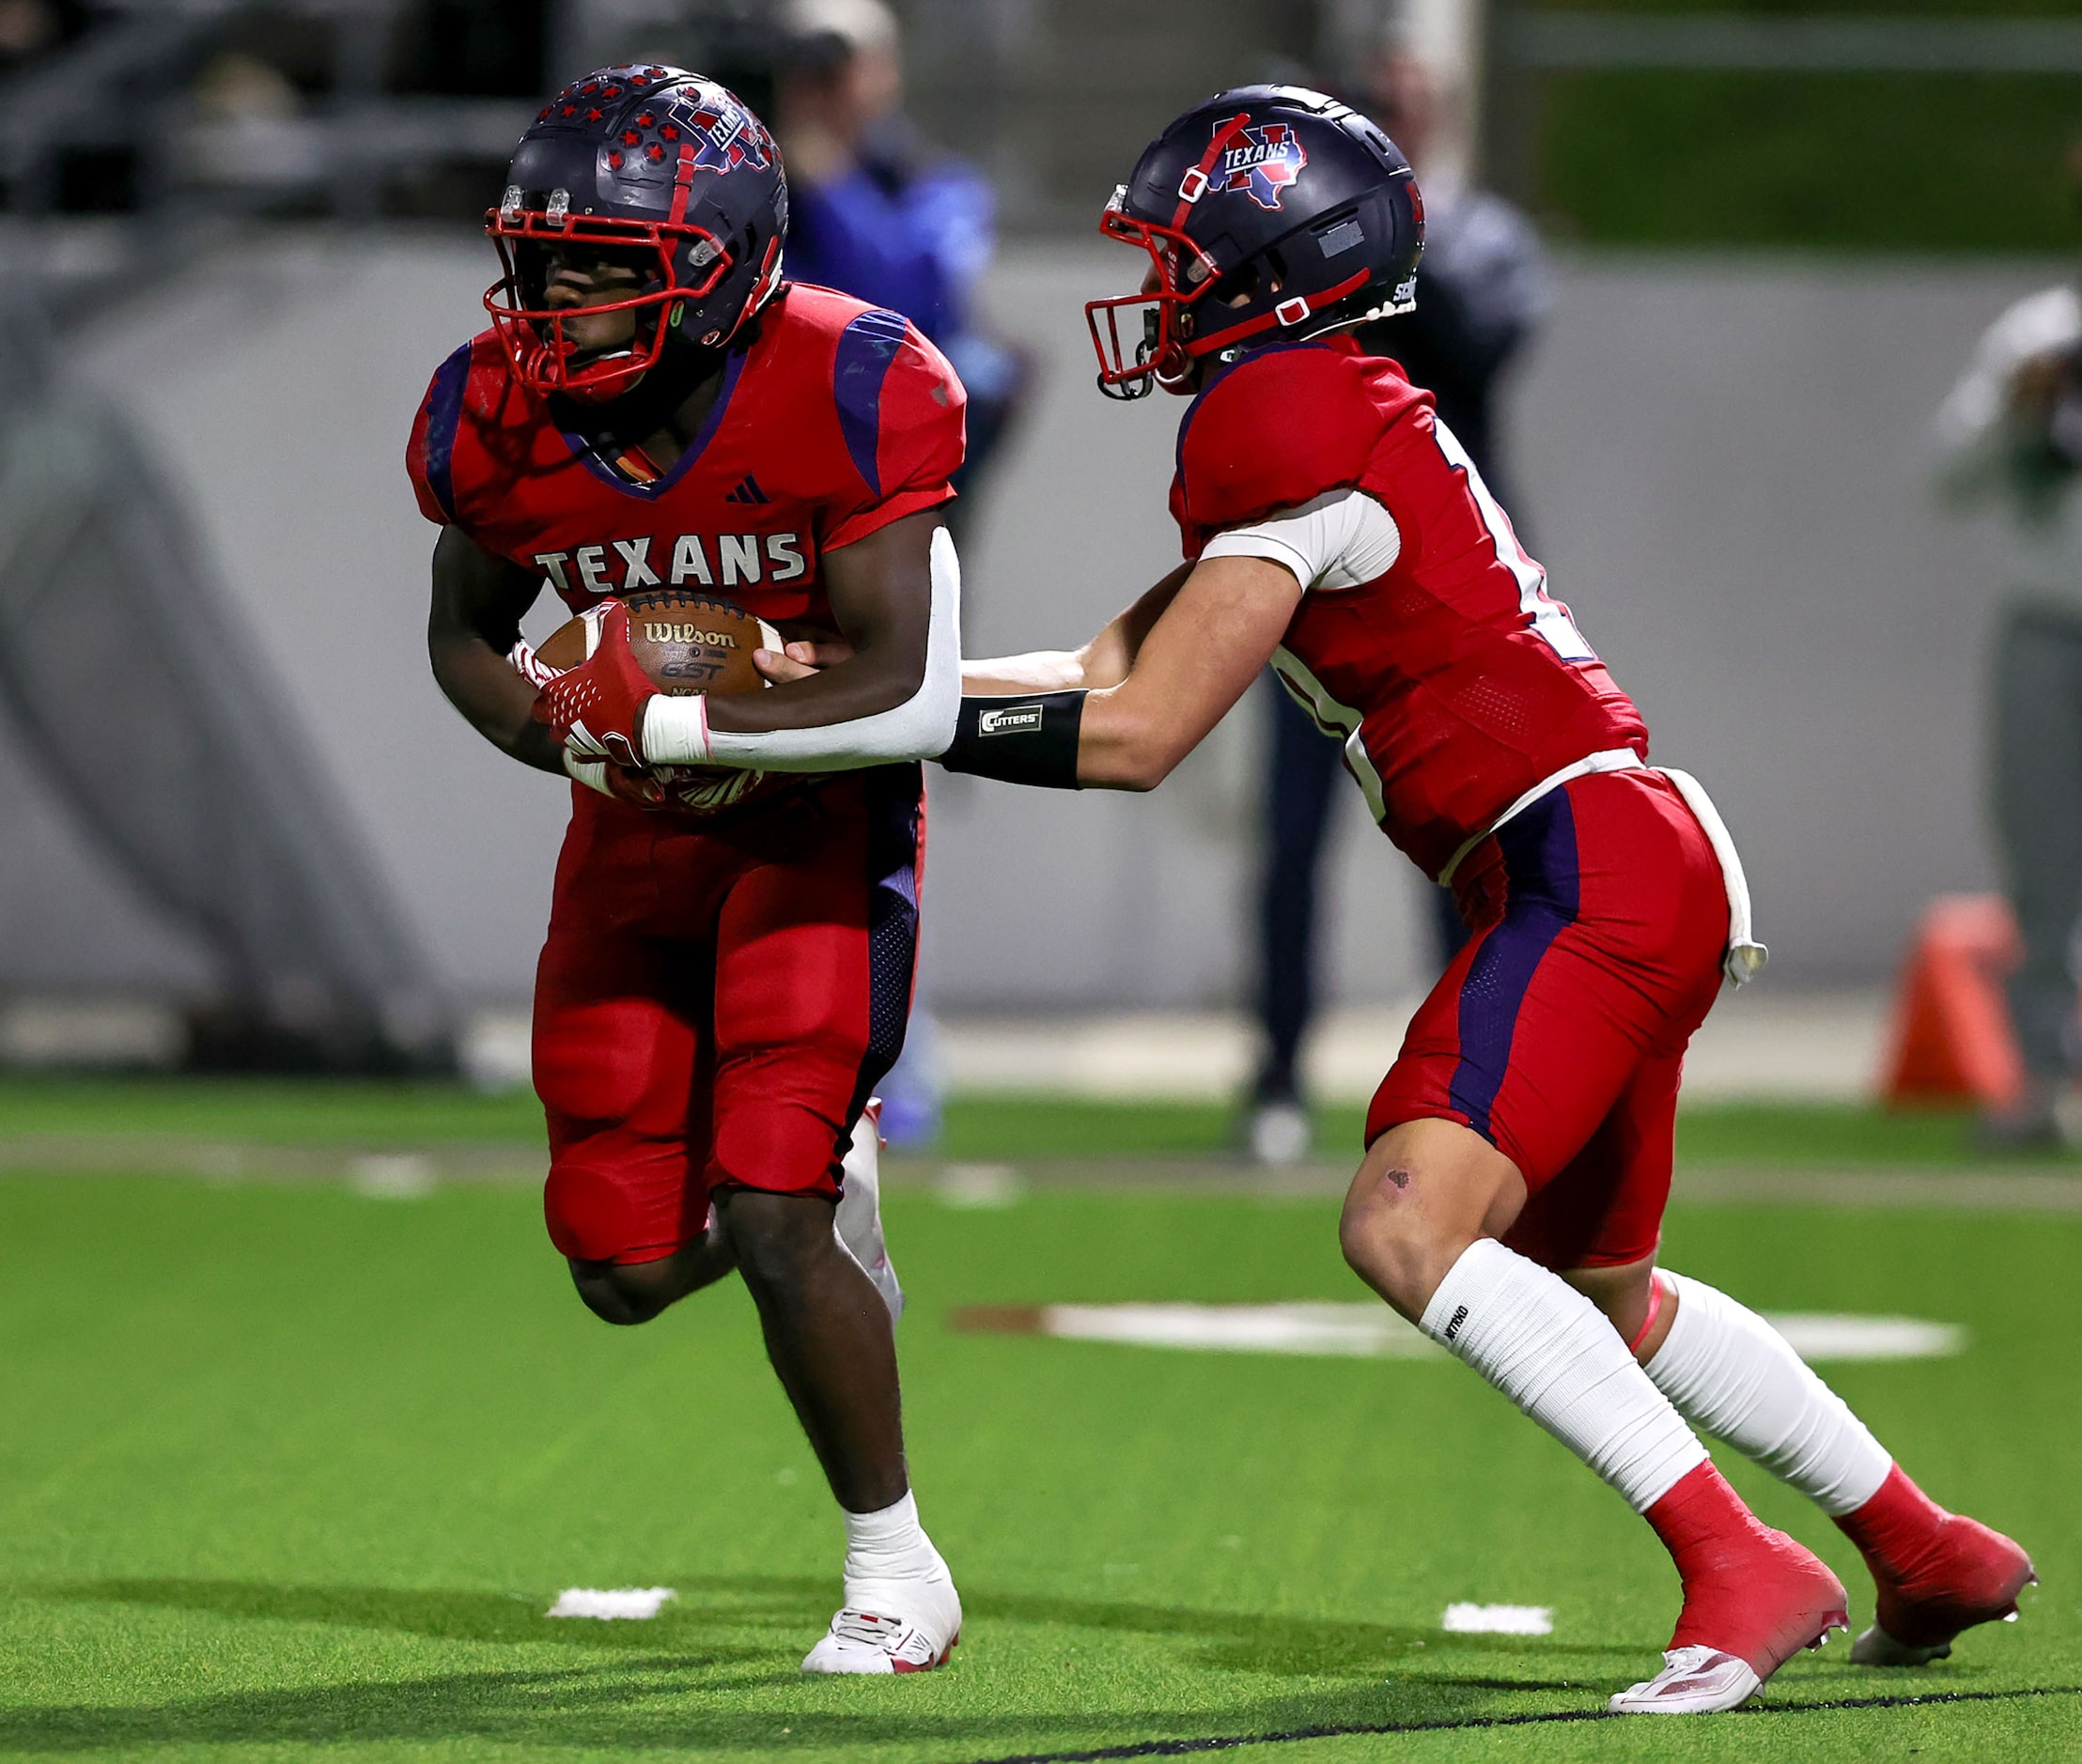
1455,681
833,418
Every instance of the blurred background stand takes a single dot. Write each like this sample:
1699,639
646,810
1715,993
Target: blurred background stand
142,709
259,252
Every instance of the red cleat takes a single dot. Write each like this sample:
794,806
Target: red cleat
1938,1574
1753,1598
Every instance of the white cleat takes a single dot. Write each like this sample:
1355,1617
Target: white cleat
865,1636
1694,1680
857,1220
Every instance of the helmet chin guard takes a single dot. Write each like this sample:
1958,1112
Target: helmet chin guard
1268,213
662,165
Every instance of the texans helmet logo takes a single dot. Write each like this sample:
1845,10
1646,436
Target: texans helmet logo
1264,163
730,138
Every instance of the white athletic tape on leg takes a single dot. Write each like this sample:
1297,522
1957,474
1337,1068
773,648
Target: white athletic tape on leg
1734,1375
1557,1356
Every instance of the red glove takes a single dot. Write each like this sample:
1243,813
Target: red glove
596,709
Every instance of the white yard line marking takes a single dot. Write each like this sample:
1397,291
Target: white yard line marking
632,1602
1497,1620
1346,1331
394,1176
979,1187
1372,1332
1823,1335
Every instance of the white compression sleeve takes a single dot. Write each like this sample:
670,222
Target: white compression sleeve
1341,539
1731,1374
677,731
1555,1356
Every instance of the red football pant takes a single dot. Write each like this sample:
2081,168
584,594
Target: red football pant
716,1000
1558,1032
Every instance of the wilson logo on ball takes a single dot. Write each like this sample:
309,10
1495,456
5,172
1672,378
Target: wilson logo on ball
656,633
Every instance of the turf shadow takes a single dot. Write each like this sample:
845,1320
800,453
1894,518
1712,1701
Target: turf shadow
683,1679
697,1679
1176,1748
1277,1644
473,1616
636,1704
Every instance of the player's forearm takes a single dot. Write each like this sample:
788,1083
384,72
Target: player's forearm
1190,663
882,715
867,683
1122,745
1040,671
1104,661
894,698
494,699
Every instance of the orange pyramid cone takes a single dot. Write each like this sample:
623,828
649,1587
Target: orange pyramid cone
1952,1038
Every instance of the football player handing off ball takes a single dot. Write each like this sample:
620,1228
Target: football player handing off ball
657,417
1518,1152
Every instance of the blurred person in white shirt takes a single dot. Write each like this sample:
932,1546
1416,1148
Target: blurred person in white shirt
2010,436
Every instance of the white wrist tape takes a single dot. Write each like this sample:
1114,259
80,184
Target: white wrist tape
591,773
677,729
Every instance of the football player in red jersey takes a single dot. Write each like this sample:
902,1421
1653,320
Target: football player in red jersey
1518,1152
728,965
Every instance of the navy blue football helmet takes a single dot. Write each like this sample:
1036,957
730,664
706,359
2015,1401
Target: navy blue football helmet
1269,213
654,160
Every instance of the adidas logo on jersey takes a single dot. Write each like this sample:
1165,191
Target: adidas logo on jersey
748,492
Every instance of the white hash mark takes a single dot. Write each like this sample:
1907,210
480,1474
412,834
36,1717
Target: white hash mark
1497,1620
635,1602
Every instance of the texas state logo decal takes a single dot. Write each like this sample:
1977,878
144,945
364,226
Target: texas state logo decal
732,136
1262,161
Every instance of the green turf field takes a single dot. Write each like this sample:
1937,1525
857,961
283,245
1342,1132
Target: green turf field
380,1116
287,1471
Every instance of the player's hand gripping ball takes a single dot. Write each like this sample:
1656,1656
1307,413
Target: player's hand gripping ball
597,670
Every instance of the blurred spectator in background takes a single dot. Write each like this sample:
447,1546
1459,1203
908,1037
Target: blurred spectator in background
2010,436
1480,290
29,28
879,215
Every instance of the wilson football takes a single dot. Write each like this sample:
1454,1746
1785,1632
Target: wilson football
686,642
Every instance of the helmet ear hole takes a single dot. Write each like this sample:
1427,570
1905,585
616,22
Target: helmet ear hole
1239,287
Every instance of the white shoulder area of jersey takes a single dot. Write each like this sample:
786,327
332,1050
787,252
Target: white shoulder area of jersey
1340,539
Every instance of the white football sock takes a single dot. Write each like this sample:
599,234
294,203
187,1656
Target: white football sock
889,1544
1553,1352
1731,1374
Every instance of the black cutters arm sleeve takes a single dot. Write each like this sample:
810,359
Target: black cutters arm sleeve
1029,740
